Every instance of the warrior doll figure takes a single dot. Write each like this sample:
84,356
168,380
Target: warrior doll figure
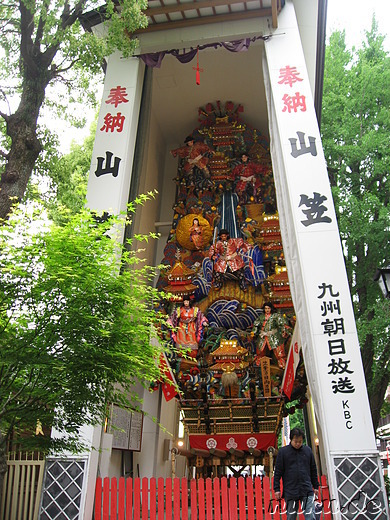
246,177
271,332
227,257
195,154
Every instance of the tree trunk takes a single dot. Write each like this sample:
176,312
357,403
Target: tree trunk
376,399
23,154
3,463
25,145
37,71
368,353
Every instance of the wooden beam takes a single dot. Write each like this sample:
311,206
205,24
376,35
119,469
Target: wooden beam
185,453
193,22
237,453
274,8
190,6
215,452
199,452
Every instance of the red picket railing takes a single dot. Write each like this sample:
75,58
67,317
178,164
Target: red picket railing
180,499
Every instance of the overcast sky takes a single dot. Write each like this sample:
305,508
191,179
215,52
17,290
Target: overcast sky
355,17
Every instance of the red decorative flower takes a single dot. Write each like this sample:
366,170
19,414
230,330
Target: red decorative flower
229,105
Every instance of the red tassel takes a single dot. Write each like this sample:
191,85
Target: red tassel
198,70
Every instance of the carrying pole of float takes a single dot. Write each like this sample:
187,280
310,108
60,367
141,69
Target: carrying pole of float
318,281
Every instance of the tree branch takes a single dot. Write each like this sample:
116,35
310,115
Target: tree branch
2,114
41,24
26,31
61,71
15,396
68,17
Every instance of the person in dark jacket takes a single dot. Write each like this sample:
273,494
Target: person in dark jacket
296,467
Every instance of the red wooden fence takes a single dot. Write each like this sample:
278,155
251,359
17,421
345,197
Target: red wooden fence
180,499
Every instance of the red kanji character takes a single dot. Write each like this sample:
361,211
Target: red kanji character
289,76
292,103
116,96
112,122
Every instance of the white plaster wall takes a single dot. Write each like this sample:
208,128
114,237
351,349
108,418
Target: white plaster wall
151,179
307,16
110,461
145,460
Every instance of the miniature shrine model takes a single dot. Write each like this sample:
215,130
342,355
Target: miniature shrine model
230,312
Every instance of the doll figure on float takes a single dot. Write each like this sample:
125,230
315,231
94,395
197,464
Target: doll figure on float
188,324
195,154
246,176
196,234
227,256
271,332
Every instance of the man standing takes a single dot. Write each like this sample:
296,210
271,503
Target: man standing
296,467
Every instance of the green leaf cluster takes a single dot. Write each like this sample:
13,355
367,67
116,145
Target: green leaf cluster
356,138
68,177
78,325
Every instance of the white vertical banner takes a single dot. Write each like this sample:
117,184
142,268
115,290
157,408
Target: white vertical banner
113,152
109,186
319,283
324,308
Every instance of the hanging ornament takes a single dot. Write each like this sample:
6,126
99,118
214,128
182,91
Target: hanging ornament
38,429
198,70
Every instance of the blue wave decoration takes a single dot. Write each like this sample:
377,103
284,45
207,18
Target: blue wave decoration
223,313
232,334
254,267
207,269
203,280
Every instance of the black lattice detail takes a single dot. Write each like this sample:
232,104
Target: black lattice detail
360,490
62,487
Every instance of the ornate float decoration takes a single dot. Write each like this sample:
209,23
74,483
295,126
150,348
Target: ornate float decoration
226,227
279,288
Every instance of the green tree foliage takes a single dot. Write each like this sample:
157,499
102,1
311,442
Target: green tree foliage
78,326
355,132
43,45
69,179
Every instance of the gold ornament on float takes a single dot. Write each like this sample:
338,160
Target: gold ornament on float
194,232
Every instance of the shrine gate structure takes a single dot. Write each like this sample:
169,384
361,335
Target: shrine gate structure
238,76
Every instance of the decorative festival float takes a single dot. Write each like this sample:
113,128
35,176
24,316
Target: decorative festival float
231,316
